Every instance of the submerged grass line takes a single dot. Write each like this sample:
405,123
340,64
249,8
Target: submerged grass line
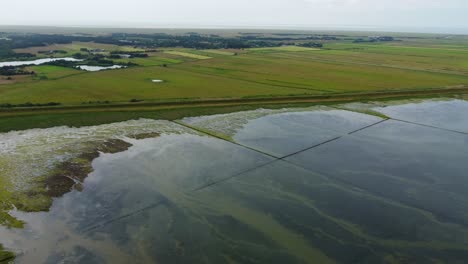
233,176
309,148
424,125
365,111
360,129
151,206
224,138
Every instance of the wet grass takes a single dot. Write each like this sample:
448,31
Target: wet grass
5,256
80,119
72,173
61,179
96,115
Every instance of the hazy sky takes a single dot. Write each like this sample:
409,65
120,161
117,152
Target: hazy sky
313,13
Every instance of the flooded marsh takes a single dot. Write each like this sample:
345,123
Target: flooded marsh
309,185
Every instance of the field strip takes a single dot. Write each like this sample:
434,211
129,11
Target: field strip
150,106
187,54
257,82
339,62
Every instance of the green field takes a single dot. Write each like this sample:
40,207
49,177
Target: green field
53,72
279,72
340,67
187,54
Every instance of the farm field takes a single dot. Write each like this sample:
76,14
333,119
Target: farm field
265,72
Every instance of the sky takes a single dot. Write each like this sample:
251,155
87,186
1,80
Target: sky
403,14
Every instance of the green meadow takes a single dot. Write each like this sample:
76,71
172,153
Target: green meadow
339,68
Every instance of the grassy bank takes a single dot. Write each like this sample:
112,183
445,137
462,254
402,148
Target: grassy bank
21,119
5,256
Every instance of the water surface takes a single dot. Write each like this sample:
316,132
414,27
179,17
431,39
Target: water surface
310,185
99,68
449,114
35,62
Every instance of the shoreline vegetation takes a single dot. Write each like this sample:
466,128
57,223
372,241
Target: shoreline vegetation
85,115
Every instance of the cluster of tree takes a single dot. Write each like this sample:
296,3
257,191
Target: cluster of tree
323,37
5,49
6,52
310,45
62,63
131,54
99,60
90,60
374,39
96,102
19,41
290,36
29,104
11,70
52,52
192,40
154,41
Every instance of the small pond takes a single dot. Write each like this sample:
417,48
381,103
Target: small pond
35,62
99,68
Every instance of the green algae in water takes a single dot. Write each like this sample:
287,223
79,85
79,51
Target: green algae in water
140,204
282,132
39,164
5,256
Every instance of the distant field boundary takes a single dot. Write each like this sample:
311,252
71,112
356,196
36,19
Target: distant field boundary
149,106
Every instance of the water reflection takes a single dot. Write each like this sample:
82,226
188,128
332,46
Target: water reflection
35,62
382,192
449,114
99,68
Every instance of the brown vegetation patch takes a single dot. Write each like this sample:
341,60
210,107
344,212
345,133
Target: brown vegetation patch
5,256
145,135
14,79
71,174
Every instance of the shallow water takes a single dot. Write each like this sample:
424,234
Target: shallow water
450,114
99,68
313,185
287,133
35,62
